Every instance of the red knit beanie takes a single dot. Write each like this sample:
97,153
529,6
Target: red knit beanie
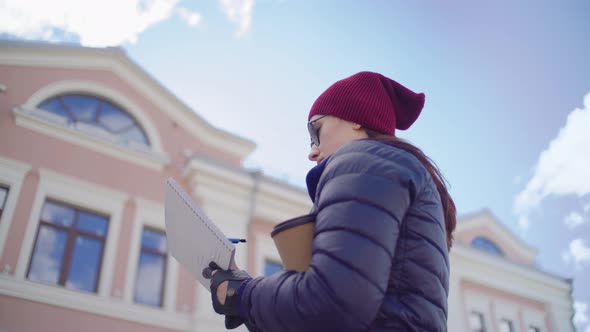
371,100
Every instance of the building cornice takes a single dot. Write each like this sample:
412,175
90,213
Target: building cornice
491,270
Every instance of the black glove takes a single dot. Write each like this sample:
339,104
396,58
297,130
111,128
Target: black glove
231,307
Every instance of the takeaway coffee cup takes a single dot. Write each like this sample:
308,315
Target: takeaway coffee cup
293,239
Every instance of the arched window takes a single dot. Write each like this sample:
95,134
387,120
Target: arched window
96,112
486,244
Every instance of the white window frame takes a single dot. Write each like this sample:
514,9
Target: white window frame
150,214
480,315
101,199
80,193
479,303
29,116
507,311
12,174
534,317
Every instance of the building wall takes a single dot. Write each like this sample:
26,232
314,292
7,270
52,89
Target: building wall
40,160
131,192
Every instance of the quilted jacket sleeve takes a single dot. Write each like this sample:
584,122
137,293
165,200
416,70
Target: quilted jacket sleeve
361,201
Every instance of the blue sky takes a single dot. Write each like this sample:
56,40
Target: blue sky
507,86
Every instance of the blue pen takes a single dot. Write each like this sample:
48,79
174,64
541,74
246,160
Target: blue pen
232,240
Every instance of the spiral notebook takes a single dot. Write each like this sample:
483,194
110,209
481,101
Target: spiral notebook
193,239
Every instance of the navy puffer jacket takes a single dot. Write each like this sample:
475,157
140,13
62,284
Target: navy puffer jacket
379,261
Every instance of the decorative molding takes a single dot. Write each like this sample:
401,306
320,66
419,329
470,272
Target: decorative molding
91,303
94,88
12,174
481,304
84,194
487,219
274,200
94,139
471,265
506,310
533,317
115,60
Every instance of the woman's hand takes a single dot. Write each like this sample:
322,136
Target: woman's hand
222,288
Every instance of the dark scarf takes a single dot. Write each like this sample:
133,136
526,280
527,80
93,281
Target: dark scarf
313,178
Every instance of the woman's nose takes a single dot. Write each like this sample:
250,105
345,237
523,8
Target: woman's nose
314,153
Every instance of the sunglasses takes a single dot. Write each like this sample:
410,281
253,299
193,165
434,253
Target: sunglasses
314,132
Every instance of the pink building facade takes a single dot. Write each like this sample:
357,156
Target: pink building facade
87,140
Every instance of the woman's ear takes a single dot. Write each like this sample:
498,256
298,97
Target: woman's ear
359,130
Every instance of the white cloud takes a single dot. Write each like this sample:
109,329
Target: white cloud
96,23
579,251
580,318
191,18
563,168
239,12
47,258
148,285
573,220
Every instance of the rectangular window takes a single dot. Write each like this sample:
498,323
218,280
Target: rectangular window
476,322
69,247
151,269
271,267
506,325
3,195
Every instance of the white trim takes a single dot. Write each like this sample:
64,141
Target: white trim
12,174
505,310
274,201
535,318
95,139
99,90
84,194
149,213
481,304
88,302
486,218
114,60
472,262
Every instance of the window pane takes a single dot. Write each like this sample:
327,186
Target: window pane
154,240
57,214
506,326
85,264
150,278
92,223
485,244
271,267
476,323
83,107
112,118
134,134
55,106
3,194
48,255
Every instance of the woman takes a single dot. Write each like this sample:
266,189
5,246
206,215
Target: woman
384,223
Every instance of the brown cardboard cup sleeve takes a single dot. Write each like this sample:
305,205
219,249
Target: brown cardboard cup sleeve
293,240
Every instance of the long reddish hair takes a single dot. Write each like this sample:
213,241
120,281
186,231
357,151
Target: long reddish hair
449,210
